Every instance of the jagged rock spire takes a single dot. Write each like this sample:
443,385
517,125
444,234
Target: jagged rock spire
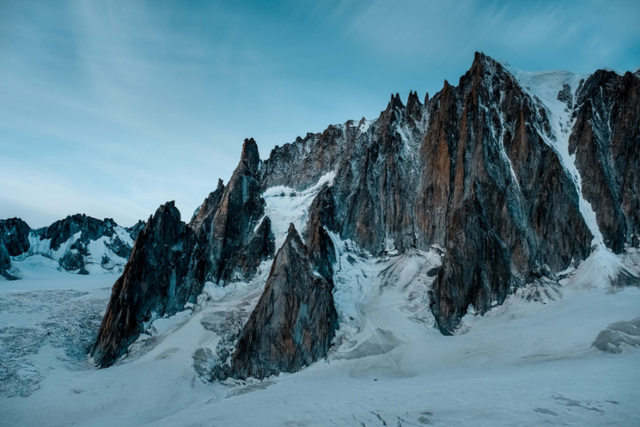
413,100
395,102
295,320
250,157
414,106
152,282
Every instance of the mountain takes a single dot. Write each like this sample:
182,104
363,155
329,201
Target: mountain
295,320
511,179
77,244
458,246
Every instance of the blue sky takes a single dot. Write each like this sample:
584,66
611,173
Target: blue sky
111,108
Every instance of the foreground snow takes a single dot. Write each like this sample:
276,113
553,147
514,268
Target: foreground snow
524,363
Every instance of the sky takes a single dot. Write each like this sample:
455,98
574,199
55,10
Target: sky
111,108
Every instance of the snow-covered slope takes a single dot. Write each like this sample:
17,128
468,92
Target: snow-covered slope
526,362
544,87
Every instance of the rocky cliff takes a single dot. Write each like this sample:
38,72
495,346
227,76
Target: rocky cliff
513,176
493,194
295,319
605,142
153,283
172,260
14,240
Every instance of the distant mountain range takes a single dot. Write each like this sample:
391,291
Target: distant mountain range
79,243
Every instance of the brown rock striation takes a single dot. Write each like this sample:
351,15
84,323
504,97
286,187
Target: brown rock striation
322,216
295,319
493,194
240,208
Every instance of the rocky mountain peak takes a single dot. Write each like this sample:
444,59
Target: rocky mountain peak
250,157
91,228
220,185
292,236
395,103
75,242
14,240
14,234
413,103
295,319
153,281
480,61
166,220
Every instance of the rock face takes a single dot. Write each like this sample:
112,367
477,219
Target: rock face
172,260
91,228
322,216
14,234
261,246
474,170
605,143
494,194
14,240
136,229
74,235
299,165
483,170
295,320
153,282
5,263
241,206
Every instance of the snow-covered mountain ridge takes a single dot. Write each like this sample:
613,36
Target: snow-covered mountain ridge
78,244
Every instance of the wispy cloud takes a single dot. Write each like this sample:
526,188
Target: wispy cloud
113,107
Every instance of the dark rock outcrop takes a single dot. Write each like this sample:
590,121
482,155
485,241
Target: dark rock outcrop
119,247
322,216
617,335
261,246
605,143
14,233
5,263
376,180
153,282
88,229
172,260
201,220
136,229
72,261
14,241
236,214
300,164
295,320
